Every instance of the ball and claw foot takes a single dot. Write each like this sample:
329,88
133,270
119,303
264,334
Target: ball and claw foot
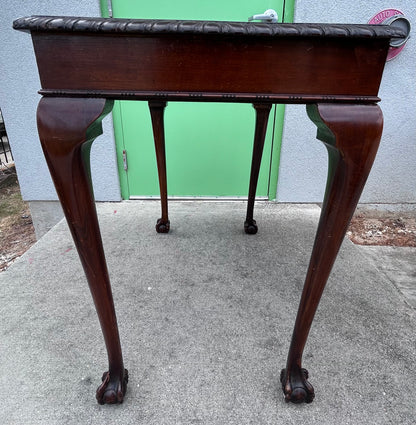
112,391
250,227
296,387
162,226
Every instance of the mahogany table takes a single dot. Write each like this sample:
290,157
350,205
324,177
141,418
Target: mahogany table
85,63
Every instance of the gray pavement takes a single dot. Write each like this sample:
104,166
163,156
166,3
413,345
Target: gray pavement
206,315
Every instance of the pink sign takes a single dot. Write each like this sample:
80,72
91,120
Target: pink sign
379,19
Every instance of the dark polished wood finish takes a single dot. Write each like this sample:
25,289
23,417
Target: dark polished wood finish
157,109
85,62
262,117
351,135
67,128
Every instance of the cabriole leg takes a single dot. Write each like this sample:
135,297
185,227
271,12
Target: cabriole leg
67,127
262,117
157,109
351,134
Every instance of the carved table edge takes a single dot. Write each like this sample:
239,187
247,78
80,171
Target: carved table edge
151,26
210,96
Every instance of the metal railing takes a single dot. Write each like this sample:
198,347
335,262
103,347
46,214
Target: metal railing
6,156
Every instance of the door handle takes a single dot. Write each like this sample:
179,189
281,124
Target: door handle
269,16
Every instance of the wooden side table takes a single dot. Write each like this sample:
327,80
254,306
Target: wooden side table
85,63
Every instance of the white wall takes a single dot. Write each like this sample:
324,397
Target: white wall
303,164
19,83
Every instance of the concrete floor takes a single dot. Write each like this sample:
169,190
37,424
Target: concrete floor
206,315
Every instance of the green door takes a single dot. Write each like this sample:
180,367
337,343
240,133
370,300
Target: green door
208,145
